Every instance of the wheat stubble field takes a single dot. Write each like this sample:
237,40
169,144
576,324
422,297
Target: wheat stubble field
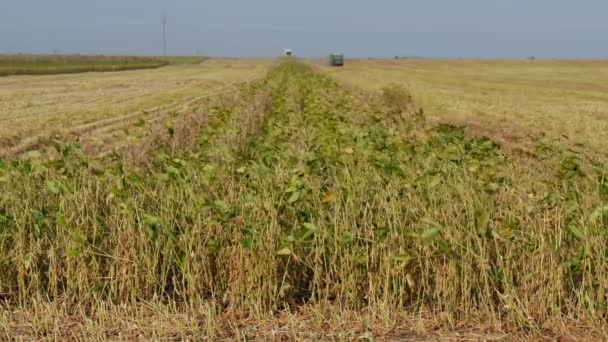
317,204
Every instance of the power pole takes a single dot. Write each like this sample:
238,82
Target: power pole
165,35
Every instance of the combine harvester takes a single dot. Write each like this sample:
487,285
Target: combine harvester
336,60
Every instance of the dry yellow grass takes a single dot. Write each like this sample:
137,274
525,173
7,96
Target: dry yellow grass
39,106
512,98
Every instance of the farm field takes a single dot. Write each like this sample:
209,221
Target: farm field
297,208
102,105
64,64
511,100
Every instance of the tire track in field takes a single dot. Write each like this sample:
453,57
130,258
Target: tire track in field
176,108
106,127
154,115
124,120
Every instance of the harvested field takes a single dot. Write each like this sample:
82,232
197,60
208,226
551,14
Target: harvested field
515,101
38,108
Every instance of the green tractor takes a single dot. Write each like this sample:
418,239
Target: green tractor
336,59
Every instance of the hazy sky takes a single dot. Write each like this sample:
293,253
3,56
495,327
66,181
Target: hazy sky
429,28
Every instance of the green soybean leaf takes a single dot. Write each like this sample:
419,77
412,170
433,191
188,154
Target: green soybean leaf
221,205
172,170
491,187
460,189
599,214
163,177
34,155
434,181
214,245
402,258
430,234
52,186
482,219
73,253
308,231
576,232
295,196
346,238
284,290
247,243
208,168
284,252
151,220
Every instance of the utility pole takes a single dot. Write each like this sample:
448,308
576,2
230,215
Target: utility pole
165,35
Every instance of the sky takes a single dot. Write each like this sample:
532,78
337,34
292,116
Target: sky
312,28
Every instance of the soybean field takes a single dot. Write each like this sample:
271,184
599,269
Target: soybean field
300,205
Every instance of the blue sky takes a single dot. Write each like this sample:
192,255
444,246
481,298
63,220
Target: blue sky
312,28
